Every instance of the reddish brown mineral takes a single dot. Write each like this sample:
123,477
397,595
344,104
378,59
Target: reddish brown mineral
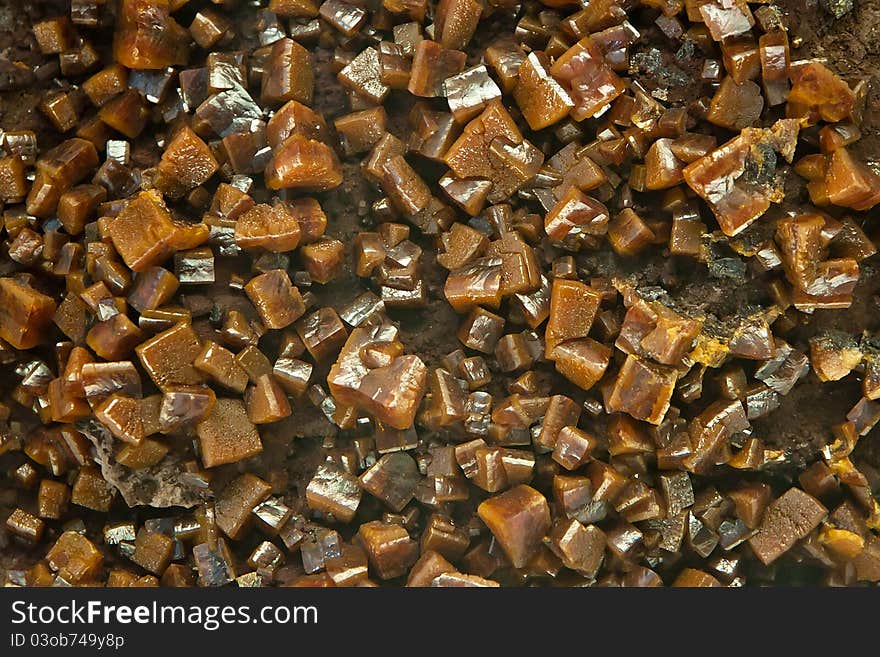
276,299
642,389
737,179
519,519
303,163
591,82
25,313
390,391
227,435
787,520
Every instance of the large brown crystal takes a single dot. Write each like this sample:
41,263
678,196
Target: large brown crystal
276,299
186,163
25,313
788,519
541,99
642,389
391,391
576,214
389,548
147,37
737,179
289,74
519,519
493,148
432,64
334,491
169,357
227,435
573,307
591,82
303,163
816,93
145,234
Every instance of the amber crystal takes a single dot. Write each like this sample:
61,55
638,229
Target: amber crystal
848,182
816,92
432,64
276,299
390,549
736,105
542,100
643,390
492,147
227,435
663,169
303,163
334,491
456,22
591,82
184,406
266,401
656,331
145,234
152,43
295,118
289,74
25,313
788,519
391,392
186,163
363,76
323,259
393,479
576,214
737,179
573,307
74,557
519,519
169,356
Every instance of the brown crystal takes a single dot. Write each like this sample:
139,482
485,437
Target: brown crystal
816,92
360,131
519,519
169,356
642,389
591,82
227,435
74,557
334,491
788,519
276,299
289,74
729,178
149,44
25,313
391,392
186,163
576,214
432,64
236,502
303,163
573,307
390,549
323,259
